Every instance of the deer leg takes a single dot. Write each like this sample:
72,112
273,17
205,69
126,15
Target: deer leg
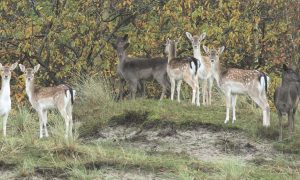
290,120
266,111
45,119
280,125
69,112
211,81
163,82
262,102
204,91
228,103
172,88
122,84
40,114
178,90
133,87
143,89
64,114
294,112
5,117
193,84
197,93
233,102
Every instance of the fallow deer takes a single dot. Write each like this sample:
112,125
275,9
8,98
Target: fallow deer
205,71
42,99
287,97
234,81
133,70
5,101
182,69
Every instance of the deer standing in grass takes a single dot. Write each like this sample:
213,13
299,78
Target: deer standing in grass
133,70
287,97
182,69
44,98
205,71
234,81
5,101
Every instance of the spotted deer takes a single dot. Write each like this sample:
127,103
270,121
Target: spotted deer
133,70
234,81
205,71
182,69
5,101
42,99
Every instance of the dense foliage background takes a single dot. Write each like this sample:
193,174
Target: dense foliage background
71,38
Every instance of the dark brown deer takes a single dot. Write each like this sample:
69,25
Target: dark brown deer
133,70
286,98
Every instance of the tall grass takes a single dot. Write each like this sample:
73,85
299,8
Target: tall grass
95,108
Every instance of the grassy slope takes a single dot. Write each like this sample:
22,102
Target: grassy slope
26,155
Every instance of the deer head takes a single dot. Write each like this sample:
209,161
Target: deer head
29,72
121,45
171,46
195,40
289,75
213,54
5,71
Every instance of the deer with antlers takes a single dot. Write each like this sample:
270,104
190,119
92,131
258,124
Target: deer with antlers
42,99
234,81
182,69
205,71
5,101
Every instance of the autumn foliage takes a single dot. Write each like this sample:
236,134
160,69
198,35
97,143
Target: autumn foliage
71,38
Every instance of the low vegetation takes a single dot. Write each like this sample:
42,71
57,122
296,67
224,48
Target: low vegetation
92,156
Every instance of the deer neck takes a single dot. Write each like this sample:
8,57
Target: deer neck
172,52
197,54
30,89
122,57
5,88
217,71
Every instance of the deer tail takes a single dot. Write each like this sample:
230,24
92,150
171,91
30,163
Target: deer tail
194,64
264,80
72,92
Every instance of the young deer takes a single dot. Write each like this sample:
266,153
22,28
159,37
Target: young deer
238,81
287,97
5,101
205,71
44,98
182,69
137,69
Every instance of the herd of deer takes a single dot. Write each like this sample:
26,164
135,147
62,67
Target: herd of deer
192,70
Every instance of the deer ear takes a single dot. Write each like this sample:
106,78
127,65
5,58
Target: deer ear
125,38
126,45
284,67
36,68
221,49
202,36
189,35
1,67
13,66
168,41
22,67
206,49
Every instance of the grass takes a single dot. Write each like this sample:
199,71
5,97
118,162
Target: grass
95,109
